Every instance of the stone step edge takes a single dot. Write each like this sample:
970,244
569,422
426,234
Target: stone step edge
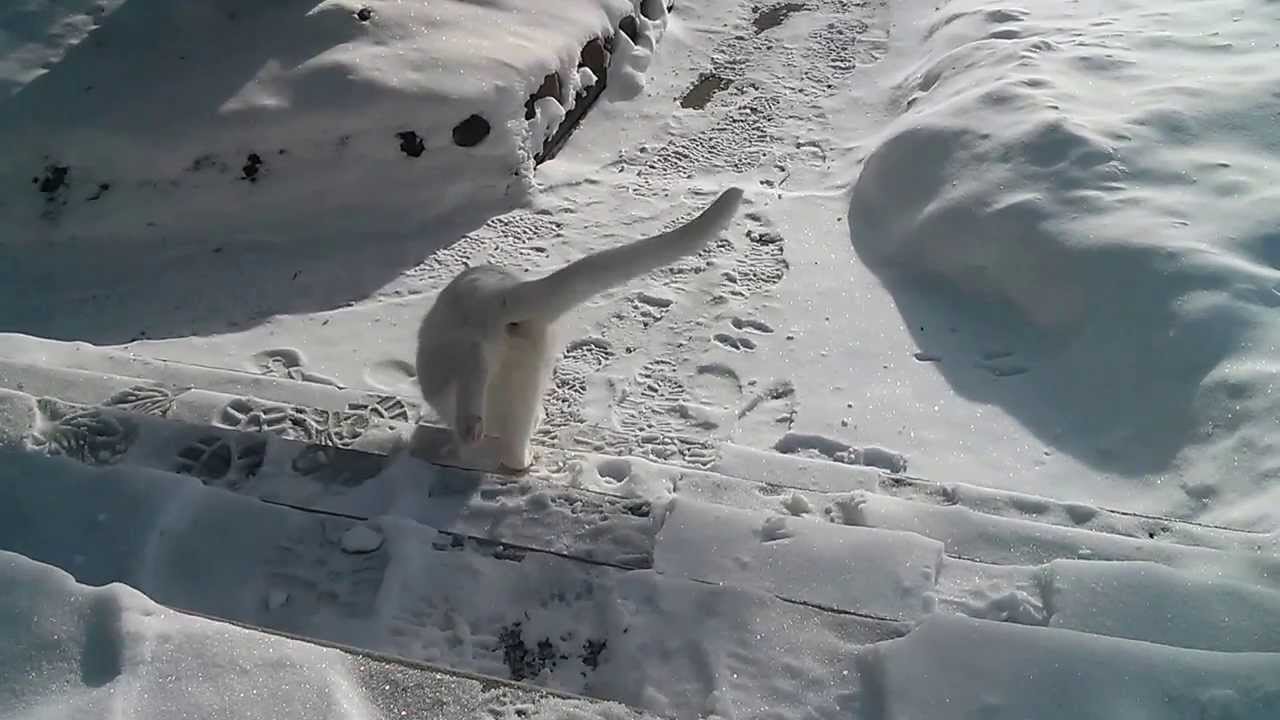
881,626
694,481
504,545
933,491
512,542
853,478
341,481
571,531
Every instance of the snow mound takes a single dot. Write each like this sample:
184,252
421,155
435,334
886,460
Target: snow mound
304,116
1105,270
1023,672
76,651
1147,601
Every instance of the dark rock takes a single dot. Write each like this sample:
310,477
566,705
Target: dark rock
252,164
55,178
471,132
595,57
630,28
411,144
550,88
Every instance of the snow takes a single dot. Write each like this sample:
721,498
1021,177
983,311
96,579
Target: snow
72,650
293,76
307,118
1104,259
76,651
769,656
830,565
1021,672
361,539
970,412
1146,601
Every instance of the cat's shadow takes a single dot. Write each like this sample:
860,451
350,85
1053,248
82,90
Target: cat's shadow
436,445
457,479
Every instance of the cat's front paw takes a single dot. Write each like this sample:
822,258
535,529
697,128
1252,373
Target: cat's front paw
470,429
514,457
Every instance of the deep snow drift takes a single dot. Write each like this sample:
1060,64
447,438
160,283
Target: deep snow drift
77,651
1079,201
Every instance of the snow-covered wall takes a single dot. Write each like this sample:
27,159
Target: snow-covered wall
129,119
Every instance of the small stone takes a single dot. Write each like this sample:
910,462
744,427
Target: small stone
361,539
252,164
411,144
55,178
775,528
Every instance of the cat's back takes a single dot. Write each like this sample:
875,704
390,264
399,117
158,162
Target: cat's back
472,299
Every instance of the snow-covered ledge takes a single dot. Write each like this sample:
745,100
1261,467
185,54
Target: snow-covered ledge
132,119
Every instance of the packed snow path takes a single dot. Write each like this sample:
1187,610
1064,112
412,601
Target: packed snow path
760,585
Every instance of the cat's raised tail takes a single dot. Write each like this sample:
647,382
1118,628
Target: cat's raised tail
547,298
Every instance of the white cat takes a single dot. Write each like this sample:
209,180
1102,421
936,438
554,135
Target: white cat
485,348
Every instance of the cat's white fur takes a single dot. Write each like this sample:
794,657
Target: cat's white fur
485,347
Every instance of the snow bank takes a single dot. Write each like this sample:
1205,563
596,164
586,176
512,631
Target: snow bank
245,159
1017,671
126,120
76,651
1076,211
1146,601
